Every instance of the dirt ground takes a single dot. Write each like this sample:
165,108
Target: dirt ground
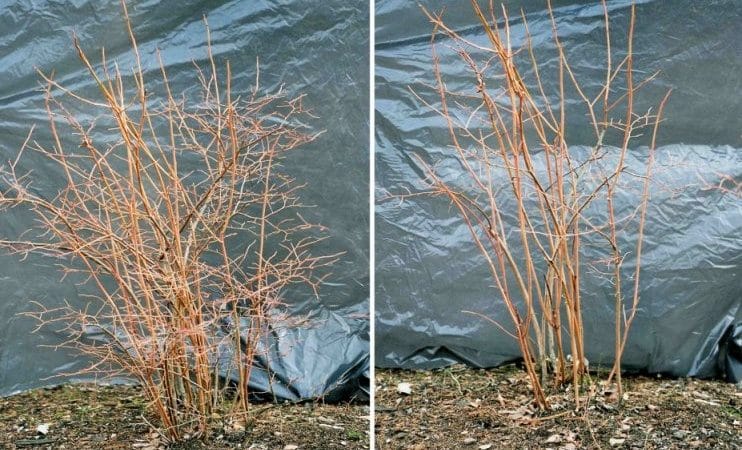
461,408
113,417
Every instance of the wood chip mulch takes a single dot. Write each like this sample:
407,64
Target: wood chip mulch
463,408
87,416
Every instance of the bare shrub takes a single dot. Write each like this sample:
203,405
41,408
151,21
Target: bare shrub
179,214
509,138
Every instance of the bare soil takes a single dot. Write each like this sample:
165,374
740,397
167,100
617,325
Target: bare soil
463,408
115,417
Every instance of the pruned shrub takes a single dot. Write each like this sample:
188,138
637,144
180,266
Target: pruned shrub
524,192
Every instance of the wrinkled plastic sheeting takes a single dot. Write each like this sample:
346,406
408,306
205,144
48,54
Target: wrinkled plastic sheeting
428,269
731,354
317,50
328,351
285,355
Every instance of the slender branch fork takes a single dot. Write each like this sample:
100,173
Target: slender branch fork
512,149
184,224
